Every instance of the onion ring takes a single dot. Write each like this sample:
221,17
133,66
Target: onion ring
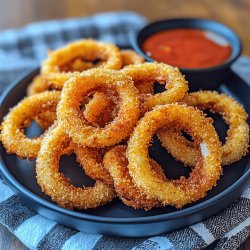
206,171
91,160
77,65
102,108
99,110
57,186
233,113
46,119
88,50
12,134
38,85
70,117
116,162
164,74
130,57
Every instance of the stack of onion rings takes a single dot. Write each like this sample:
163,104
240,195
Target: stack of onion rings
103,92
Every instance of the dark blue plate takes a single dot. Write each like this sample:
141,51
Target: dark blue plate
116,218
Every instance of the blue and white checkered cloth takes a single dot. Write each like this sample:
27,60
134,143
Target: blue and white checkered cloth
22,50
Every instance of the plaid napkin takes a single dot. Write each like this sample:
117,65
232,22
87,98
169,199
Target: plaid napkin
20,51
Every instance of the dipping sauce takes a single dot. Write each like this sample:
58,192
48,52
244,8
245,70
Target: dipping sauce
187,48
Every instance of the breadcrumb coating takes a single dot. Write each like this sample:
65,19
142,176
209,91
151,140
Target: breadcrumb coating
233,113
175,83
71,118
206,171
86,49
20,116
59,188
116,162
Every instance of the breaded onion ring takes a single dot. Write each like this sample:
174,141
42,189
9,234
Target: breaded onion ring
102,108
12,134
38,85
72,120
233,113
46,119
91,160
176,84
88,50
54,184
206,171
145,88
129,56
116,162
99,110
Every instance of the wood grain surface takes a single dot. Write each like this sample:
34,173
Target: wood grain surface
16,13
235,13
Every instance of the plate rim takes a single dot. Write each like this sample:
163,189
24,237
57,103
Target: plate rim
6,174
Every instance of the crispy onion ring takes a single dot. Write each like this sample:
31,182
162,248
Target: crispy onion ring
102,108
206,171
70,117
38,85
91,160
99,110
145,88
12,134
130,57
46,119
233,113
164,74
54,184
116,162
89,50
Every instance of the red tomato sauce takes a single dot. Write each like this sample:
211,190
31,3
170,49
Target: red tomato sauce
187,48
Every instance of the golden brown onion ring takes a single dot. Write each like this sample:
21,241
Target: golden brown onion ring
12,134
38,85
130,57
236,144
54,184
99,110
88,50
162,73
91,160
71,119
206,171
116,162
